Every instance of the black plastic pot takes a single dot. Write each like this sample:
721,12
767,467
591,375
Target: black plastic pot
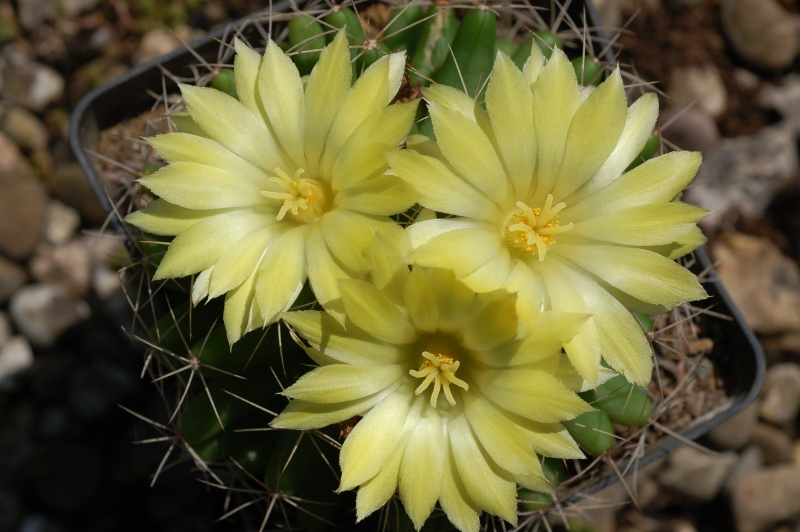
738,358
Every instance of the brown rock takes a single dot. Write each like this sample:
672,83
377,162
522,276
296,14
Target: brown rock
68,183
12,277
736,432
23,201
761,31
781,395
766,497
761,280
775,444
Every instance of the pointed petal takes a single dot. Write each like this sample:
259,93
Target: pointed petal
300,415
281,93
351,346
340,383
422,467
232,125
283,273
455,501
325,90
593,134
441,189
383,195
555,100
462,250
377,491
371,310
510,104
491,488
238,312
245,74
239,260
324,271
375,437
163,218
491,322
348,235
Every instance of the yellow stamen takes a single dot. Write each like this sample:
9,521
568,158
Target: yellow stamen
306,199
533,230
441,371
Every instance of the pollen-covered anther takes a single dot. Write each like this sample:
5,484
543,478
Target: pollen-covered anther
441,371
305,199
533,230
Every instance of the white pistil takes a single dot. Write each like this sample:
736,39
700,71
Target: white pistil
441,371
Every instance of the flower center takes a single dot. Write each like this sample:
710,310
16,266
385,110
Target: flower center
441,371
529,231
305,199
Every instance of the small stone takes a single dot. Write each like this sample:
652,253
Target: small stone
160,41
737,431
781,394
66,264
105,282
796,453
762,32
15,357
74,8
23,127
701,86
770,299
690,128
12,277
33,14
775,444
42,312
61,222
741,176
785,98
610,14
695,474
766,497
5,329
68,183
12,163
27,83
22,206
750,460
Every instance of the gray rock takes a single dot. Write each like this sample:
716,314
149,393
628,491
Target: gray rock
689,128
66,264
42,312
5,329
785,98
750,460
23,202
12,277
160,41
774,443
736,432
766,497
27,83
698,85
15,356
12,162
68,183
34,13
23,127
761,280
762,32
61,222
105,282
695,474
742,175
610,14
75,7
781,394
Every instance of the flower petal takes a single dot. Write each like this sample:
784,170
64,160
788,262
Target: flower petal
441,189
382,195
197,248
555,100
240,259
377,491
245,74
593,134
281,93
351,346
231,124
324,272
325,90
642,274
376,436
467,148
462,250
371,310
197,186
422,467
456,503
491,488
283,273
340,383
510,104
492,321
239,313
348,235
163,218
300,415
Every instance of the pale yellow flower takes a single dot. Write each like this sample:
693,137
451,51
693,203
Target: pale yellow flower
543,205
286,183
456,407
